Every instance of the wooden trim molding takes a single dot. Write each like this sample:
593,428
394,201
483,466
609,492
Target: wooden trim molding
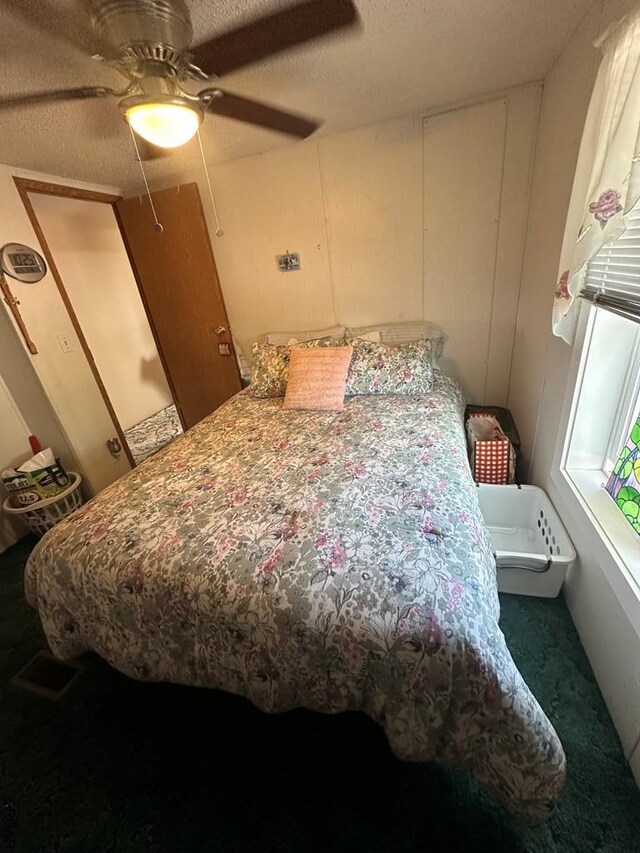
26,186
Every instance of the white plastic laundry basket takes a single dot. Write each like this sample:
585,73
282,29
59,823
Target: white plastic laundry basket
45,514
532,549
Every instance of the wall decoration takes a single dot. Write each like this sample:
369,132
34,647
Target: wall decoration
290,262
624,483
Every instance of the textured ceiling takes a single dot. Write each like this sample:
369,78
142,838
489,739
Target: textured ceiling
412,55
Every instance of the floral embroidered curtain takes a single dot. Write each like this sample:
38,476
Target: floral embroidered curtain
606,185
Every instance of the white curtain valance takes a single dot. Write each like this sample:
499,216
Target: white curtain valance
607,179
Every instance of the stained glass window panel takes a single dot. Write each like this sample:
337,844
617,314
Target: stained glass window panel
624,483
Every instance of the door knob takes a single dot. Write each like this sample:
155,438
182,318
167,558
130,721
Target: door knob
220,330
114,446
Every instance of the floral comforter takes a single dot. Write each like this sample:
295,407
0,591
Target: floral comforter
329,560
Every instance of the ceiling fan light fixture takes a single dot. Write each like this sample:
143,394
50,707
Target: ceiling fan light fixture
166,123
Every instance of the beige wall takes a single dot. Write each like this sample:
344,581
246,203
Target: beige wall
539,386
65,377
14,449
417,217
14,433
24,409
567,90
85,242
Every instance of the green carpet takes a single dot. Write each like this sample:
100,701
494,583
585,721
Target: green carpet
117,765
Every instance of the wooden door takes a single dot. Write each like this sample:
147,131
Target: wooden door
180,289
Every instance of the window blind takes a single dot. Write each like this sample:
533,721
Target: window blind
612,279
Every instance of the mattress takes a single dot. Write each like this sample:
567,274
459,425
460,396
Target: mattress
325,560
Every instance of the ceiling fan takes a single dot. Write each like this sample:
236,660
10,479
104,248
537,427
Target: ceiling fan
149,43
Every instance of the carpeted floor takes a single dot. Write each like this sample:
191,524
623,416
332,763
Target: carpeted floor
117,765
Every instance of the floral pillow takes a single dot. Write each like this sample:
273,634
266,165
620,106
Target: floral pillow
270,366
380,369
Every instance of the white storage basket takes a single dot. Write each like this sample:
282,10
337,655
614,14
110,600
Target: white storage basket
45,514
532,549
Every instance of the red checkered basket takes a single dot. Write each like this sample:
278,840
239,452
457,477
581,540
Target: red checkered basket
491,454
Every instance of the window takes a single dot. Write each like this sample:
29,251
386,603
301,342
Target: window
601,257
606,393
606,401
612,283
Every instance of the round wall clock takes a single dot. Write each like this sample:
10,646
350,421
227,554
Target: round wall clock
22,263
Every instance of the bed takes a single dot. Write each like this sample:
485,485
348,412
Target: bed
326,560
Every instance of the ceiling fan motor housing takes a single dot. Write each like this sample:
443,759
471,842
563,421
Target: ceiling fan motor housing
123,23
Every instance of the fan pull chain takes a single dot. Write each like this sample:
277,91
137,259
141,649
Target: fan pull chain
158,227
219,231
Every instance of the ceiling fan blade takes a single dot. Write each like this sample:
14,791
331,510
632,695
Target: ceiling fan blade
274,33
74,28
254,112
34,98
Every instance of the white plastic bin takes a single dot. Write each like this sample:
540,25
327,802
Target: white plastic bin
532,549
43,515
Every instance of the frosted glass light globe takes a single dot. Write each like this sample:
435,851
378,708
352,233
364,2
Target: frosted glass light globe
166,125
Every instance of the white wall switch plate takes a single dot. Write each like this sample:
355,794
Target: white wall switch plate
65,343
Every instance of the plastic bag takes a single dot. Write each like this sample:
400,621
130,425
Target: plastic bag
38,478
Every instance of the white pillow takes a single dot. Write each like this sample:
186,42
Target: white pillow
405,333
282,338
372,337
327,341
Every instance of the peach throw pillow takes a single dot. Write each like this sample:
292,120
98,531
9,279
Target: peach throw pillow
317,378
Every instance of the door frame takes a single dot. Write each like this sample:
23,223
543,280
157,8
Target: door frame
25,186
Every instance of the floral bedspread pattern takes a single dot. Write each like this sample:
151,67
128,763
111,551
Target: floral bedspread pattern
330,560
150,435
380,369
